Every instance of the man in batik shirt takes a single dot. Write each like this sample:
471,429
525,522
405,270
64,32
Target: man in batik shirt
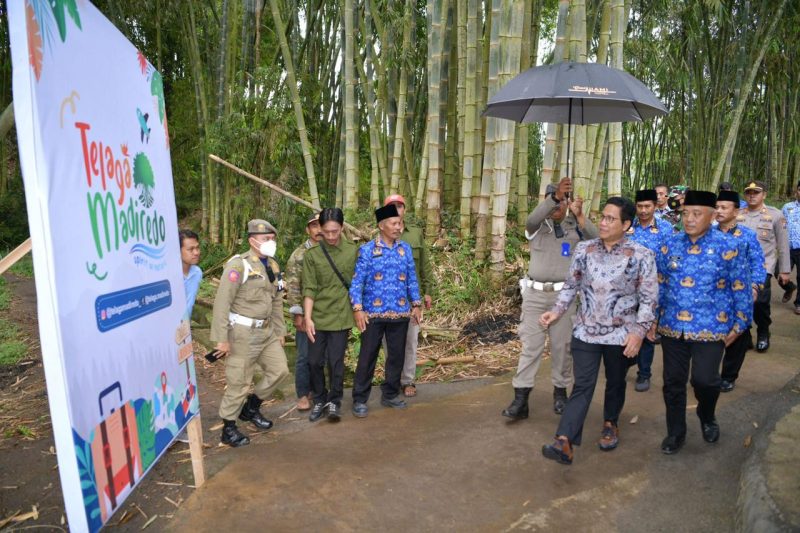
649,231
705,303
385,296
617,282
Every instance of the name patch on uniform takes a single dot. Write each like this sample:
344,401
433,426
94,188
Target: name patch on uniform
565,249
233,276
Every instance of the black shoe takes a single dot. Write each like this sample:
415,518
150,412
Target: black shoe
518,409
559,399
726,386
788,292
334,413
317,412
394,403
671,445
642,384
710,431
232,436
360,410
250,413
763,344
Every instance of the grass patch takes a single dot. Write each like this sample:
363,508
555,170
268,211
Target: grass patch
5,295
23,268
11,349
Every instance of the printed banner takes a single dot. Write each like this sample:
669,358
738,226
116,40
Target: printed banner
94,150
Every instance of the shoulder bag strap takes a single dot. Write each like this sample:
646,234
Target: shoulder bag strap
333,266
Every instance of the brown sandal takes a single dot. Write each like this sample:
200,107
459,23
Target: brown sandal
409,390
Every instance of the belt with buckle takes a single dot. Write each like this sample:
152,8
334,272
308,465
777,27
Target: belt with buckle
547,286
233,318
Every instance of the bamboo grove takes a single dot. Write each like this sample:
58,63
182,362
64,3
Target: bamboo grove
345,101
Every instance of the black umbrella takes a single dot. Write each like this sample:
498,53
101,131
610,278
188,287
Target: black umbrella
574,93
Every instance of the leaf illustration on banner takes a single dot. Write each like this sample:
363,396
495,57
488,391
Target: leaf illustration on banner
157,90
60,9
35,52
144,179
83,453
142,61
147,434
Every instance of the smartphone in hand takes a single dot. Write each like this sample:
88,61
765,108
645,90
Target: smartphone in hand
212,356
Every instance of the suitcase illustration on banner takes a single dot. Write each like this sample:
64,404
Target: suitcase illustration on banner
115,450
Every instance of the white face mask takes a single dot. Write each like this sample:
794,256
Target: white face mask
268,248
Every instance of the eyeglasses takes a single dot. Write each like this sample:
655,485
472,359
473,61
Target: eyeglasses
608,219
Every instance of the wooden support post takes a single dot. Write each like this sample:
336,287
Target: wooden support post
194,430
15,255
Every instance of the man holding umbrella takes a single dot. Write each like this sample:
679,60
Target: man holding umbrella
552,235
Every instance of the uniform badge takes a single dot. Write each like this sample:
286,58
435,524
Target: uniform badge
687,282
401,302
738,285
764,233
402,276
767,218
730,254
685,316
721,283
401,251
377,251
378,276
565,249
695,250
377,302
653,229
233,276
722,316
737,232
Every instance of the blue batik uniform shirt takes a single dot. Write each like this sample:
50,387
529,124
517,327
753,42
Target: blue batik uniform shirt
791,212
750,249
650,236
385,281
704,287
191,283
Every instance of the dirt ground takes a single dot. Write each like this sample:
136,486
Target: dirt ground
30,489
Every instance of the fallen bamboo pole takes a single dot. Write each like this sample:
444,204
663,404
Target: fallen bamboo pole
277,189
15,255
448,360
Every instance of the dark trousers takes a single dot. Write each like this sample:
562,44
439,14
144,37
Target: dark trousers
328,346
794,260
586,366
646,353
395,332
761,309
734,356
704,358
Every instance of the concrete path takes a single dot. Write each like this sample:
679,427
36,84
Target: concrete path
451,462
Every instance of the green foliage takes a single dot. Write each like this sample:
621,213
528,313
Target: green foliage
14,229
462,282
11,348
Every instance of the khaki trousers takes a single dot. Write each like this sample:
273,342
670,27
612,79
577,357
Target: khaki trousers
251,350
532,335
410,365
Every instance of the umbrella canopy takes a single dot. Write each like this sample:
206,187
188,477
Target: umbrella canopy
574,93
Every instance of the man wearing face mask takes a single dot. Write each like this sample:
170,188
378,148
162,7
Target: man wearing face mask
552,229
248,327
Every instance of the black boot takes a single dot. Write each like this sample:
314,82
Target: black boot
232,436
250,413
559,399
518,409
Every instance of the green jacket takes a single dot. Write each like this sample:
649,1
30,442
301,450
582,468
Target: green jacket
422,257
331,311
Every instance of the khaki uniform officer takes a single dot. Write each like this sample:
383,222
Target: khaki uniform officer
248,326
770,228
552,229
